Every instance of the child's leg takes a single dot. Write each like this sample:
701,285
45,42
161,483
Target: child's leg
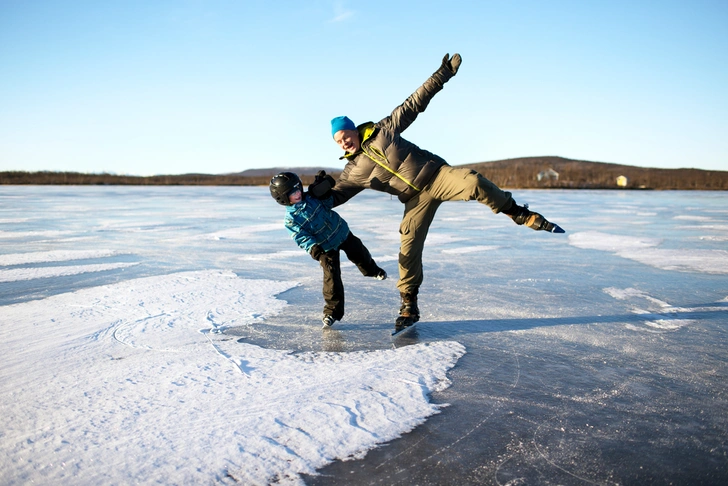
359,255
333,286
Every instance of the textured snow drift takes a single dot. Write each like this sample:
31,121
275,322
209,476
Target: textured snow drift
644,250
138,369
18,274
53,256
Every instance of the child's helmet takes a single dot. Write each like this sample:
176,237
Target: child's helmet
281,185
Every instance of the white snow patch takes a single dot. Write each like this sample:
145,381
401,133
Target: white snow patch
53,256
19,274
32,234
595,240
387,258
668,325
279,255
687,260
471,249
436,239
623,294
659,316
692,217
242,233
712,227
13,220
643,250
128,383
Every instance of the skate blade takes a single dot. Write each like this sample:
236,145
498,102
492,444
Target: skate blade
399,330
399,326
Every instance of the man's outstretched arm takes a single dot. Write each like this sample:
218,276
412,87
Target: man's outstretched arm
406,113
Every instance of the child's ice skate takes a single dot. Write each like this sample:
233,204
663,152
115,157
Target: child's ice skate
328,321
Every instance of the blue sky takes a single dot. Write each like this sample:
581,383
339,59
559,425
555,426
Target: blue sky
171,87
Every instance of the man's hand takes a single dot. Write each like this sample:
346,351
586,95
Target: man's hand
452,63
322,184
316,252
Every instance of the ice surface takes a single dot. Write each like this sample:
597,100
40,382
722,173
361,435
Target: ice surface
172,335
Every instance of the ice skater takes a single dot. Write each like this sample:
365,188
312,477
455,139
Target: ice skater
379,158
322,232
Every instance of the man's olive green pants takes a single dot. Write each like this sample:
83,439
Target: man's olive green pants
450,184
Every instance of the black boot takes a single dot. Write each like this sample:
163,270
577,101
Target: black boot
522,215
409,313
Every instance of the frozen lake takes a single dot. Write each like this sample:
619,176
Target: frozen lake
172,335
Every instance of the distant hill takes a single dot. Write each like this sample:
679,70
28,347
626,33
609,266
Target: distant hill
559,172
301,171
253,177
525,172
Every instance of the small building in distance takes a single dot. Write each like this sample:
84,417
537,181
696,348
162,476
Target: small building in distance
622,181
548,175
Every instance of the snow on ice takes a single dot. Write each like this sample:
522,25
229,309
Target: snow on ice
644,250
128,367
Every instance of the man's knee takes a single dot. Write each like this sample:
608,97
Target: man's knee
491,195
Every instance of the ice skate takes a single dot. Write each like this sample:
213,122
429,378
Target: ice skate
409,313
521,215
328,321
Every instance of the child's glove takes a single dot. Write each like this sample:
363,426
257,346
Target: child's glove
316,252
322,184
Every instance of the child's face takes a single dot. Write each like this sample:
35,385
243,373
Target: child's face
295,196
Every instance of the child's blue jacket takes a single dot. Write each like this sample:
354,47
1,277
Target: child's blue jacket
313,222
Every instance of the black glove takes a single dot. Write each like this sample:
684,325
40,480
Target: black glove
316,252
452,64
322,184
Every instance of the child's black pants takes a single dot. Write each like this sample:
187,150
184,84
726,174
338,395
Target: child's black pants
330,262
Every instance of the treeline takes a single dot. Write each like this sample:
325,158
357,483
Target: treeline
562,173
81,179
521,173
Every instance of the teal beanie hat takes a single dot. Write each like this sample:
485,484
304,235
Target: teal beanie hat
341,123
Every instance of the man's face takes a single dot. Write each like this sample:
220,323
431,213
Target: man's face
348,140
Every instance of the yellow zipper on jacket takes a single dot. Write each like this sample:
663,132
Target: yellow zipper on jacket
381,160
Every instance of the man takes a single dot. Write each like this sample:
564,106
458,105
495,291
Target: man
379,158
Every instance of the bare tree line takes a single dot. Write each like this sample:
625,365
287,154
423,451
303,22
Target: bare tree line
82,179
521,173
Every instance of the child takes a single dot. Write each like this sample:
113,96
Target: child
322,233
